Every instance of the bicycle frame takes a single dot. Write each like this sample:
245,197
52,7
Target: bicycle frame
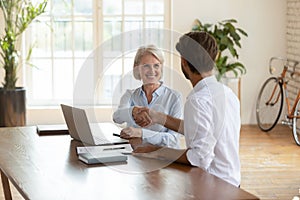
276,90
290,112
273,93
283,82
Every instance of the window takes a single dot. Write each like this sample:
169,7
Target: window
83,49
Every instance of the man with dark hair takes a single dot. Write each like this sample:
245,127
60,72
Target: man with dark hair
211,124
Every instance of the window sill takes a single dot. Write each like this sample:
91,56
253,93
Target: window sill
53,115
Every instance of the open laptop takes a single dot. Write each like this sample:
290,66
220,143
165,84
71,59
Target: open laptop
90,133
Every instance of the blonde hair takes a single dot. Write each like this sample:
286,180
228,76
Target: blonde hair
146,50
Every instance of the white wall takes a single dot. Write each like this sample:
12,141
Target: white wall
265,23
263,20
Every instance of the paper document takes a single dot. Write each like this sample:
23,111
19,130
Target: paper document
121,148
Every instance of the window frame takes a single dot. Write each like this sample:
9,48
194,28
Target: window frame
98,18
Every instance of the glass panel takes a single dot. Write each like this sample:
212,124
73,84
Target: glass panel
122,82
83,7
133,7
114,69
62,7
84,68
112,7
157,34
84,82
133,40
154,7
41,79
63,38
155,22
42,39
111,77
128,62
133,23
63,78
83,33
111,26
129,82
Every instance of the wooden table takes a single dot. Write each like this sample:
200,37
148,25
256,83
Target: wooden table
46,167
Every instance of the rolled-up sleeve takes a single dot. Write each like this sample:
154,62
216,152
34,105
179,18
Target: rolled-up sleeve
200,140
124,110
168,138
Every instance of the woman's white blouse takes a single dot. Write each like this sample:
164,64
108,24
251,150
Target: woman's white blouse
164,100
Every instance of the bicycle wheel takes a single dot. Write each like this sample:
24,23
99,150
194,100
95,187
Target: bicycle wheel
296,124
269,104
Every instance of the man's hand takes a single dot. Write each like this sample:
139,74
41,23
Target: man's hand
141,116
146,149
156,117
131,132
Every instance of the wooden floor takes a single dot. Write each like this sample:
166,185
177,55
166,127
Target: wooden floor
270,164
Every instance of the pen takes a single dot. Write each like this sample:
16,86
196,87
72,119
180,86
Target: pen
116,148
115,134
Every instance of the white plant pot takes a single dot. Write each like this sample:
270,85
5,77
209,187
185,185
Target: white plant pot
233,83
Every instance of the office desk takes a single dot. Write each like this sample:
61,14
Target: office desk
46,167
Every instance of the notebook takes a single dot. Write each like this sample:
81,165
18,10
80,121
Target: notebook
103,154
108,157
90,133
52,129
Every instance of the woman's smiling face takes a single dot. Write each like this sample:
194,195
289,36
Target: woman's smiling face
150,69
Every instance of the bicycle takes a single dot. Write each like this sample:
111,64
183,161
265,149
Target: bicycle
274,91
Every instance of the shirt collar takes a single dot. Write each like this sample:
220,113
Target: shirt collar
159,91
205,81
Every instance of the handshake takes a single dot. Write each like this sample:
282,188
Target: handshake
144,116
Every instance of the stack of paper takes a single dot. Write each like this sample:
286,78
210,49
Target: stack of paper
103,154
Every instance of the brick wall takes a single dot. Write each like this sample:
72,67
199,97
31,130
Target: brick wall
293,29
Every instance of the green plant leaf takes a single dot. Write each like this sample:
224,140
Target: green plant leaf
233,51
234,35
228,38
242,32
229,21
235,72
237,65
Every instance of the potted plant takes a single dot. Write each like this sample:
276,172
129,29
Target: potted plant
17,16
228,38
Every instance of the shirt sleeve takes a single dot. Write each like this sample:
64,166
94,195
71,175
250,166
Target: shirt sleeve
168,138
198,128
124,110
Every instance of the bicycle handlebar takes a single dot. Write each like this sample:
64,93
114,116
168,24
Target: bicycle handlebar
287,63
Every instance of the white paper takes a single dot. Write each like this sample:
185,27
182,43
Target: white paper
120,148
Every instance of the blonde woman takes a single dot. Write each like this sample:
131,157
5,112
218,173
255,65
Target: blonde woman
153,94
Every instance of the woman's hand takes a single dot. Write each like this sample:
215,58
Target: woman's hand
131,132
141,116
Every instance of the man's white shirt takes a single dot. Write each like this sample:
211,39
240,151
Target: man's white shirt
212,129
